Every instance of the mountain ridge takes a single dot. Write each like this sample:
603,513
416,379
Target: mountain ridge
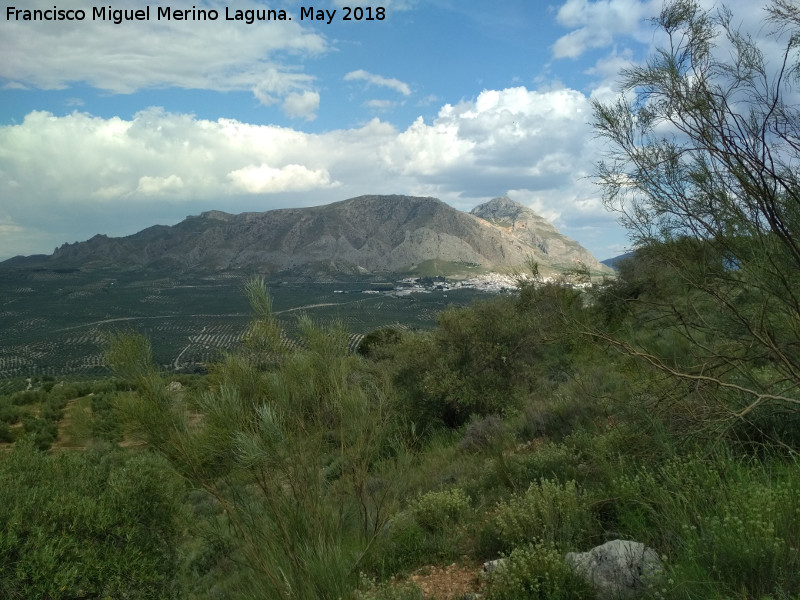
363,234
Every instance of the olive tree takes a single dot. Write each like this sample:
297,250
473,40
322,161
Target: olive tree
702,165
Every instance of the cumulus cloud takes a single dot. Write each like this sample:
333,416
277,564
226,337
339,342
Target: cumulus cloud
378,80
264,179
159,166
156,54
595,24
499,138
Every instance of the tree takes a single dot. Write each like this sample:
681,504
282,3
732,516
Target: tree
703,166
295,446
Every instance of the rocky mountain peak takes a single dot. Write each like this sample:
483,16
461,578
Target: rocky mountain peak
499,209
216,215
534,230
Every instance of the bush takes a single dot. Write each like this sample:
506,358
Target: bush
518,470
9,413
6,435
487,433
43,432
536,572
379,344
555,513
28,397
439,511
477,362
428,532
104,424
87,525
402,545
742,535
729,527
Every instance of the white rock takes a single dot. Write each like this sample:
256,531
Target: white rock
618,569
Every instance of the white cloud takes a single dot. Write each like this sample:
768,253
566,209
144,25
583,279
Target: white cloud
372,79
159,186
264,179
157,54
428,100
380,105
595,24
303,105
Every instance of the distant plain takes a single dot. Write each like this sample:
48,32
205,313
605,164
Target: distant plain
55,322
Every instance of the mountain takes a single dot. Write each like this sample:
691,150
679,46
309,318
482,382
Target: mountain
532,229
612,262
368,233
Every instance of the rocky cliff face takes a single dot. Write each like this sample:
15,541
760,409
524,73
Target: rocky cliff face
524,224
373,233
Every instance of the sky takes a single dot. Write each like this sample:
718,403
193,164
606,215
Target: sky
111,128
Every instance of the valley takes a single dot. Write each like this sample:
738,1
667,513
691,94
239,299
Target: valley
55,323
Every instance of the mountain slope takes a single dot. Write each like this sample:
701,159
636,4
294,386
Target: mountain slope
532,229
373,233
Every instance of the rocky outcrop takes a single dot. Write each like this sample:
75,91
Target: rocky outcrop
619,569
532,229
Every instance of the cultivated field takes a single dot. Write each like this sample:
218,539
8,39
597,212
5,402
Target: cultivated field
55,323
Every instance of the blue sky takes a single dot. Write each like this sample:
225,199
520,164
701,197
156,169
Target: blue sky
109,128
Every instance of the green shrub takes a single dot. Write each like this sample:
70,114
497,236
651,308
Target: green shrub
401,546
379,344
28,397
746,540
438,511
729,527
87,525
43,432
431,531
9,413
479,361
553,512
489,433
516,471
6,435
104,424
536,572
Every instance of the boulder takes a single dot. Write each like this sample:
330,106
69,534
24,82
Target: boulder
619,569
493,565
174,386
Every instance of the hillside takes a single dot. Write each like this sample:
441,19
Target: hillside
364,234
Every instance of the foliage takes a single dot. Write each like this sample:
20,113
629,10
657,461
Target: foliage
377,344
481,434
486,359
94,524
725,523
702,166
130,355
290,444
553,512
536,571
440,511
6,435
